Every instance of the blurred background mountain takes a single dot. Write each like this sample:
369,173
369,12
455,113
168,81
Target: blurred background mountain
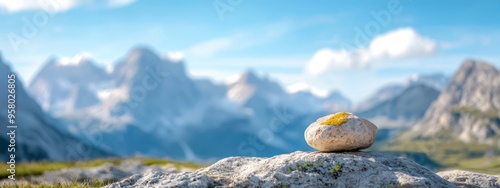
218,79
149,106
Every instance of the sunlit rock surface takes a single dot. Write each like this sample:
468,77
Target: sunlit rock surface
298,169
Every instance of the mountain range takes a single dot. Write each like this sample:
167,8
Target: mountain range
437,81
401,105
469,108
461,128
148,105
151,99
404,109
38,136
74,86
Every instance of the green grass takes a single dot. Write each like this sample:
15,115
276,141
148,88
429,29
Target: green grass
37,168
73,184
475,112
177,164
451,154
336,170
24,170
280,185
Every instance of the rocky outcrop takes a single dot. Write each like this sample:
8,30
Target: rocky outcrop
469,108
470,179
299,169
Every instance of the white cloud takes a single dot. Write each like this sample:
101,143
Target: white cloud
119,3
211,47
55,5
238,41
404,42
49,5
400,43
175,56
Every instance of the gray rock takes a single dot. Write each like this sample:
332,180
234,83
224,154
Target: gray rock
470,179
299,169
106,173
162,179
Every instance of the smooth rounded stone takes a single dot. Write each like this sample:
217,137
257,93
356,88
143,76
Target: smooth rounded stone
341,131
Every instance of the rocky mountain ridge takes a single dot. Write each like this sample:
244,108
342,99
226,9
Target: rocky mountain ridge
402,110
74,87
38,135
469,108
153,99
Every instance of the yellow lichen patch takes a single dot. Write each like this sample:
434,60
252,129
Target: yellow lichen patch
337,119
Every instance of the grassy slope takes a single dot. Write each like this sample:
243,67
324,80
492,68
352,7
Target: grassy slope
38,168
452,154
447,150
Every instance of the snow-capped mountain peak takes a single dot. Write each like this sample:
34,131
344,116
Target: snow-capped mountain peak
248,84
338,97
74,75
83,58
41,137
251,77
142,61
436,80
142,54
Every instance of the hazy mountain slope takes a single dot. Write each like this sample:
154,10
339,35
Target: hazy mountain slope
469,108
250,87
211,90
154,102
381,95
37,137
67,84
409,106
153,85
336,101
338,98
461,128
148,105
438,81
308,99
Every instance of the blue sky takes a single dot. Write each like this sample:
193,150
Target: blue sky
352,46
